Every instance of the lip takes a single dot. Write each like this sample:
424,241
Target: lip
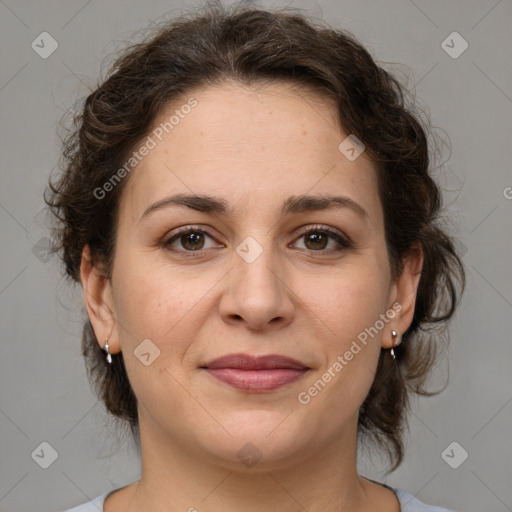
256,373
250,362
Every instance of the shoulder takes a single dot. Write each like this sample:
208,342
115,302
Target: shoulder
96,505
408,503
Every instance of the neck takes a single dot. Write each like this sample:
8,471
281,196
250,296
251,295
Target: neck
177,477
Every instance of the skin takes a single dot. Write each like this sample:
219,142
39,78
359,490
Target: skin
254,147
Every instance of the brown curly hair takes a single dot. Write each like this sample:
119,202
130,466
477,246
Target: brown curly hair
213,45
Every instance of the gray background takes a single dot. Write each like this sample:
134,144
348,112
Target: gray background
45,396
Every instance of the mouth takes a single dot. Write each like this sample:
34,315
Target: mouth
256,374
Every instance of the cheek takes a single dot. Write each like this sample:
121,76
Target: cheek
349,305
350,301
158,303
138,302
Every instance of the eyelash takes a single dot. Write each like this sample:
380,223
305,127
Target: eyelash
345,243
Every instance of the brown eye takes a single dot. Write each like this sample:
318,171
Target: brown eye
192,241
316,240
187,240
319,238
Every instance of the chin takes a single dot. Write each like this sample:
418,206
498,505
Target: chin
260,441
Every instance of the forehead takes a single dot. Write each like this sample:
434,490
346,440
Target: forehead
253,145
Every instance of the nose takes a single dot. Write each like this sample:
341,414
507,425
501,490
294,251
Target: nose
257,294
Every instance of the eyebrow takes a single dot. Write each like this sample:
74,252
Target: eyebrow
294,204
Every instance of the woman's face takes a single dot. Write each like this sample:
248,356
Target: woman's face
248,278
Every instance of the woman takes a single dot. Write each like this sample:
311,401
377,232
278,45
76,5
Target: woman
246,201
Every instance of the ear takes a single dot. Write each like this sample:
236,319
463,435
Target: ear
403,294
99,302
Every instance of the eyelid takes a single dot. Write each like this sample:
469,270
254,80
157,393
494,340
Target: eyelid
342,239
333,232
190,228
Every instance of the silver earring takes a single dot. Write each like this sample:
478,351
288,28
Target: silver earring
396,341
106,347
